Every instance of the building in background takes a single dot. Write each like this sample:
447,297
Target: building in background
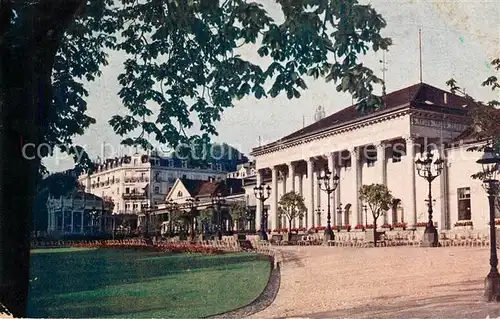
243,170
139,181
184,190
80,213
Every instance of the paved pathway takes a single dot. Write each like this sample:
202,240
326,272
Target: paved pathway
392,282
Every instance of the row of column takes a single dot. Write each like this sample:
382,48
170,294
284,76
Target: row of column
53,224
313,193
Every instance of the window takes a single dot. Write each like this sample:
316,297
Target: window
184,176
127,190
157,190
219,167
179,194
371,156
127,206
464,212
184,164
370,162
396,156
135,207
347,163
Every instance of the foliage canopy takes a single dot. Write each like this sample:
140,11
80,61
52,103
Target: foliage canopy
291,205
182,60
378,198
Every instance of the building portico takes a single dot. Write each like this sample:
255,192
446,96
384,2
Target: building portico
379,147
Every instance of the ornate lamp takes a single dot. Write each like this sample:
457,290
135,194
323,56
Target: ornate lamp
490,164
328,184
262,193
424,166
217,201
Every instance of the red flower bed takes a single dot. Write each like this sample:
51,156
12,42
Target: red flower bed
320,228
298,229
359,226
369,226
166,247
267,230
280,230
400,225
346,227
465,223
386,225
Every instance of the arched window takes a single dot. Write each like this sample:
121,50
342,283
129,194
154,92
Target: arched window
395,203
347,213
179,194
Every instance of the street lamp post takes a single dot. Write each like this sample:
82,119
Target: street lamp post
424,169
171,207
262,193
217,201
145,210
365,208
191,203
328,185
490,163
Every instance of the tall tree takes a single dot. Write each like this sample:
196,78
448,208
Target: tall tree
379,199
486,118
291,205
181,56
486,115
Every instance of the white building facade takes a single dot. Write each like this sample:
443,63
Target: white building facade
134,182
379,147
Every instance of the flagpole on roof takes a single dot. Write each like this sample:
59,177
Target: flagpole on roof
420,51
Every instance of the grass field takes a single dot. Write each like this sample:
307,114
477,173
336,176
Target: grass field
89,283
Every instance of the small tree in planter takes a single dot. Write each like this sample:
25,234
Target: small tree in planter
291,205
379,198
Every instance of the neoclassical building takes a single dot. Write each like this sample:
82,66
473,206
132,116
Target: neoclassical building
379,147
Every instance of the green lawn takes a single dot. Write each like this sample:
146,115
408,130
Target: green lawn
129,284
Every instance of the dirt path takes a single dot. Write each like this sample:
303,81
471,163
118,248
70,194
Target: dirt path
392,282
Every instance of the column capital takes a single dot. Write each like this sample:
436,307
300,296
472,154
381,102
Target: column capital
353,151
310,162
409,139
380,145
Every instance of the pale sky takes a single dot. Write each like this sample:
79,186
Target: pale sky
459,39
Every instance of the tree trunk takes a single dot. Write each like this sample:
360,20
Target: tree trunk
27,53
375,231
